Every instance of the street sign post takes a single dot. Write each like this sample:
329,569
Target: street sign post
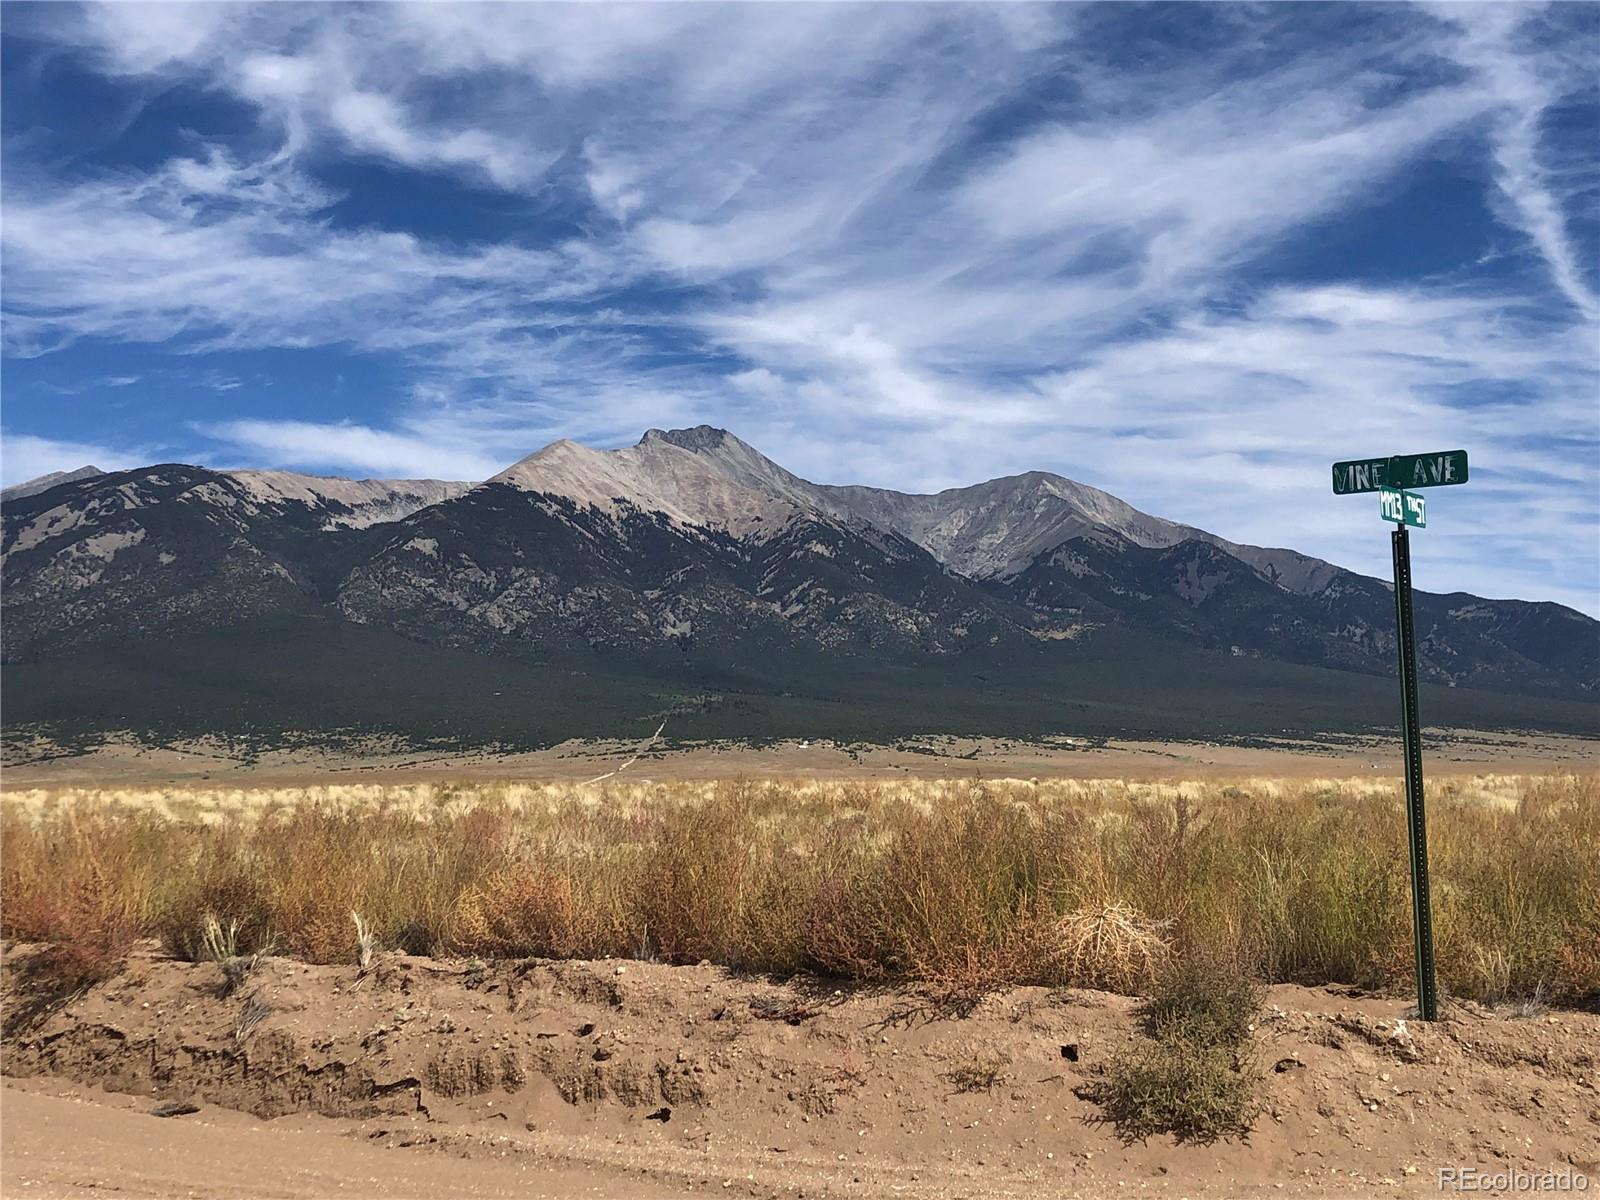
1416,818
1390,477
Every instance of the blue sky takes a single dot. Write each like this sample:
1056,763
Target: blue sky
1190,254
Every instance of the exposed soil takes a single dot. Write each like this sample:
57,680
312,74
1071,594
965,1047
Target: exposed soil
431,1077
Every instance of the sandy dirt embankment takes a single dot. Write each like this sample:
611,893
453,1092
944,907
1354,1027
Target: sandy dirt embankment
618,1078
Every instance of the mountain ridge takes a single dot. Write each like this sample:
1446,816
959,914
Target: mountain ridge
377,500
350,503
895,510
689,557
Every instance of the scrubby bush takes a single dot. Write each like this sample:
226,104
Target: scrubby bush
1208,994
79,886
1168,1085
1191,1073
525,910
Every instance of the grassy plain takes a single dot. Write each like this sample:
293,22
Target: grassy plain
957,886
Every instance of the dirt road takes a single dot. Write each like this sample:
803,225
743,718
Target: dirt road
59,1140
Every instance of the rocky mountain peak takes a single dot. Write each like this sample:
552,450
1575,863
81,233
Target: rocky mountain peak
656,474
45,482
698,438
744,465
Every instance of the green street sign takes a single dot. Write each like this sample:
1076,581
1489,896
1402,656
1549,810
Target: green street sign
1359,475
1427,470
1406,507
1400,470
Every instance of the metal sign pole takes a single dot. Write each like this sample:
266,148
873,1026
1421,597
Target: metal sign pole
1392,477
1416,817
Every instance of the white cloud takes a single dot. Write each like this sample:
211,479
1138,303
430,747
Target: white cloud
1195,186
353,449
1525,87
139,39
241,255
377,123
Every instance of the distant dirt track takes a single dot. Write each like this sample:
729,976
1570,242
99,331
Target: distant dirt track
1444,751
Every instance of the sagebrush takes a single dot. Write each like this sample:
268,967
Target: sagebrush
1167,1085
1191,1072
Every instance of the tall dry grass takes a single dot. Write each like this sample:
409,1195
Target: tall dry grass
962,886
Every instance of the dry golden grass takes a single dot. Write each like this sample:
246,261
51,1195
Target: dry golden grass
961,886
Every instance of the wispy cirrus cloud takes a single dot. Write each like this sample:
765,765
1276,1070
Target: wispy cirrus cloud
349,447
992,238
225,254
1539,183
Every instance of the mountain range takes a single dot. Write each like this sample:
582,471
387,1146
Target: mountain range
691,574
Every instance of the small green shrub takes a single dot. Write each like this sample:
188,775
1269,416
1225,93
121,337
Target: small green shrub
1196,1092
1205,996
